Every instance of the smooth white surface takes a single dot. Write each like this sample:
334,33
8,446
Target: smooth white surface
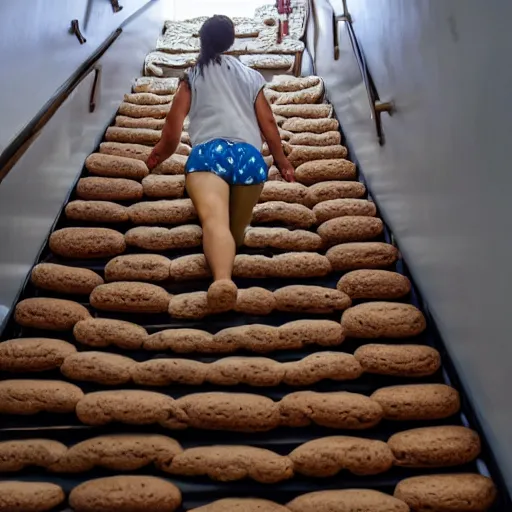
33,192
38,54
442,178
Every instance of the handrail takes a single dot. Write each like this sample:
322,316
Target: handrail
376,106
15,150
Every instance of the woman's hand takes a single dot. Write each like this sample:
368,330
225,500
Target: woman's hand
154,158
287,171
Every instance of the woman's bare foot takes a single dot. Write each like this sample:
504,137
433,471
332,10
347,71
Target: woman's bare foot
222,296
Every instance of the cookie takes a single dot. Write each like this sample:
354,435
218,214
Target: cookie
130,297
316,171
190,267
164,239
255,301
181,341
341,410
435,447
174,165
164,372
447,493
143,136
104,332
253,266
302,154
108,189
283,191
138,267
128,493
134,407
241,505
132,151
98,367
333,190
156,85
29,496
236,412
51,314
320,366
350,229
254,338
156,111
418,402
230,463
118,452
165,187
149,238
282,238
399,360
148,98
33,396
383,320
310,299
274,175
347,500
359,255
87,243
191,306
111,166
328,456
176,211
374,284
332,138
327,210
96,211
33,354
300,333
297,124
301,265
17,455
287,83
304,111
295,215
310,95
64,279
140,122
253,371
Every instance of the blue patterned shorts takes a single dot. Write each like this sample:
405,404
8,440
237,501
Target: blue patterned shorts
237,163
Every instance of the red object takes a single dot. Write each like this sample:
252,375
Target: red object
279,32
285,28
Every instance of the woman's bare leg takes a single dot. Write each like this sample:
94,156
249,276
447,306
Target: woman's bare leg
210,195
242,201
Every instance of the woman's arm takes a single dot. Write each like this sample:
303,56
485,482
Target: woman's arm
270,132
171,133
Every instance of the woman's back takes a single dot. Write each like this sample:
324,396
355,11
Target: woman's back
222,104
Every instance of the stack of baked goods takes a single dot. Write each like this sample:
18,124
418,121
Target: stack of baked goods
256,42
321,392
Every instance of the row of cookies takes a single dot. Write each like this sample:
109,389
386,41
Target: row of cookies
158,186
41,354
289,211
356,284
445,492
235,412
427,447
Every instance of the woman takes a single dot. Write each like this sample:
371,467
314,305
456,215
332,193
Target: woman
225,172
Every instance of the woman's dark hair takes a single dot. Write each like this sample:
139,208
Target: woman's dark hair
217,35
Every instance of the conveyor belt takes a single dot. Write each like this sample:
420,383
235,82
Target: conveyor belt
198,491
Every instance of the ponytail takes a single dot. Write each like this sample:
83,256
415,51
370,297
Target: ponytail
217,35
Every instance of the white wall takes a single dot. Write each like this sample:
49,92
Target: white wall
442,178
38,54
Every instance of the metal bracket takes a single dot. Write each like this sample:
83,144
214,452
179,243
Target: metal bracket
75,29
115,6
94,89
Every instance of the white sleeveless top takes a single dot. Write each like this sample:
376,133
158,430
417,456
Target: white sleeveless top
222,105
